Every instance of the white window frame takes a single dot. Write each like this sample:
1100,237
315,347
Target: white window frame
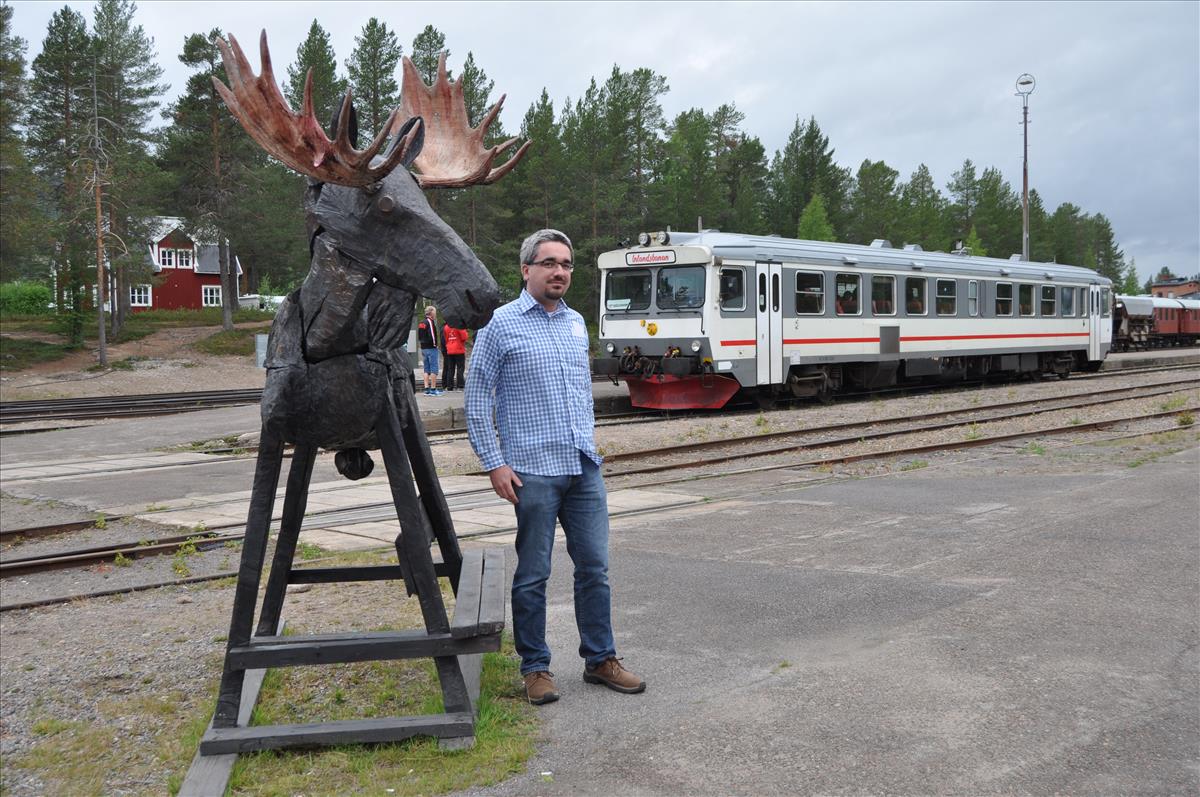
1053,301
924,296
182,255
973,298
1011,301
891,279
206,292
1026,286
166,257
136,298
722,302
938,296
843,277
820,293
1067,302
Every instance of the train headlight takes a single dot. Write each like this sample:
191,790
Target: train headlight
696,346
662,238
611,348
643,239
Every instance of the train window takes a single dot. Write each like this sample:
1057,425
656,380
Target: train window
1106,302
1025,299
733,289
1049,292
680,287
973,298
627,290
947,297
846,294
1083,301
883,291
1003,298
914,295
1068,302
810,293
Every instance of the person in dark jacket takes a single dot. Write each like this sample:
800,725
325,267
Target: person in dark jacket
428,338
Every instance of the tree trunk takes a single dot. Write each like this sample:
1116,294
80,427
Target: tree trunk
228,284
103,352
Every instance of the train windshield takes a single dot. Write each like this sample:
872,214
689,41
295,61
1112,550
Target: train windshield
628,290
680,287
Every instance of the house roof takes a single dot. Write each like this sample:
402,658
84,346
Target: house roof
207,252
208,259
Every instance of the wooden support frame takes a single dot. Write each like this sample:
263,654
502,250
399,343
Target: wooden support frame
457,646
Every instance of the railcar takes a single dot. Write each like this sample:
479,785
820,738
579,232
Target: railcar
1142,322
688,320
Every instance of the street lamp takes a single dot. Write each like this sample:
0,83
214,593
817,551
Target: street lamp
1025,85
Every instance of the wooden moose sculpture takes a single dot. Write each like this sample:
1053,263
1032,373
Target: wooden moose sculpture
338,379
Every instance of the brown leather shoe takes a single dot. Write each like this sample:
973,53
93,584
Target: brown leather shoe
539,687
614,676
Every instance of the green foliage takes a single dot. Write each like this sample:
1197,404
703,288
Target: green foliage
234,342
315,54
814,224
19,353
426,47
372,70
24,298
804,168
875,204
973,245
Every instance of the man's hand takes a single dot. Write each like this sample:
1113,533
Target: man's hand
505,482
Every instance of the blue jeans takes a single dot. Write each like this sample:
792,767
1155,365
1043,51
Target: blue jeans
429,362
580,504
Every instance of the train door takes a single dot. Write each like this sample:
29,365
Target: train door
1096,349
769,341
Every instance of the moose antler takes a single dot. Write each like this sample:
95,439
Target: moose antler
298,140
454,155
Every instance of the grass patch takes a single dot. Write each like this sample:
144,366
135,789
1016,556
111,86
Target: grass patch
915,464
126,364
1034,447
16,354
232,343
504,737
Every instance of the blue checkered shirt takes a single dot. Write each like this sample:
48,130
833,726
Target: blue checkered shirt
530,371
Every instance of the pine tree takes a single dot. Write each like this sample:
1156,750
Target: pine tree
372,70
814,223
974,245
428,45
59,100
689,188
21,217
127,92
997,214
874,204
1110,260
210,155
964,198
922,212
804,168
315,54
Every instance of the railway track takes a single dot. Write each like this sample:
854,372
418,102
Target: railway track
123,406
787,442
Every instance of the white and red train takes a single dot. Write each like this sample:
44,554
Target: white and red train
689,319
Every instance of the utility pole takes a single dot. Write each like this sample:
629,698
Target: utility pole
1025,85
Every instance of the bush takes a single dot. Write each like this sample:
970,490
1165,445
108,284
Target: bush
25,298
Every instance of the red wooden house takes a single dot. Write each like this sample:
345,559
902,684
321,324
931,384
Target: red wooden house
187,272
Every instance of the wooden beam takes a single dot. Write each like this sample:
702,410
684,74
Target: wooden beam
294,651
383,729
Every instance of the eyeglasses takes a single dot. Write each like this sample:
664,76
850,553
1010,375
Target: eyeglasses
550,264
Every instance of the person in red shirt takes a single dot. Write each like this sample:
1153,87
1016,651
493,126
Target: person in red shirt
454,346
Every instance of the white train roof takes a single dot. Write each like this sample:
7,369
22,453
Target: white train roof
735,246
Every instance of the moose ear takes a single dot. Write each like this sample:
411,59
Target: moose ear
411,136
352,129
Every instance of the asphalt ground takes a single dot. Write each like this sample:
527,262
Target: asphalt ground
1011,624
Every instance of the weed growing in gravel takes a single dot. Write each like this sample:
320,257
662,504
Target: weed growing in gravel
1075,421
915,464
1035,448
101,522
121,560
762,422
973,432
1185,419
155,507
309,551
1173,404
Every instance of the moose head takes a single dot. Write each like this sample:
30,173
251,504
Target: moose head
374,209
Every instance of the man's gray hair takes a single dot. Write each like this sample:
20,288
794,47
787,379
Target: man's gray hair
530,245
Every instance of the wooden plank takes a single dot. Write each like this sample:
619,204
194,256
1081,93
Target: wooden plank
466,604
383,729
381,647
491,605
331,575
472,670
209,774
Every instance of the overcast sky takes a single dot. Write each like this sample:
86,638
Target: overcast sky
1114,119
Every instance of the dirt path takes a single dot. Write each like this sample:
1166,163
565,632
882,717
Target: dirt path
164,362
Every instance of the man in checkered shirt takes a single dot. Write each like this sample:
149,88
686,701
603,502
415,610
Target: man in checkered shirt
529,370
